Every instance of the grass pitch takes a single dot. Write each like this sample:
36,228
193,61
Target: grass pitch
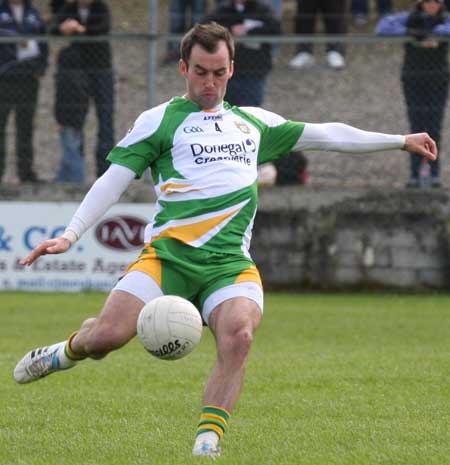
332,379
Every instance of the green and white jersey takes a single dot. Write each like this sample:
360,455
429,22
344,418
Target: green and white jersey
204,168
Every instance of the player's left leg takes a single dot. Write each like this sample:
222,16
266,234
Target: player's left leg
233,323
96,337
113,328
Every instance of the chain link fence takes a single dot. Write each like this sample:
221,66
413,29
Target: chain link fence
379,90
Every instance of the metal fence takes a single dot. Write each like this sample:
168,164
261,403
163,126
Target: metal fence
370,92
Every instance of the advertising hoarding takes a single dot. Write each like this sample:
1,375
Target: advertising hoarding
93,263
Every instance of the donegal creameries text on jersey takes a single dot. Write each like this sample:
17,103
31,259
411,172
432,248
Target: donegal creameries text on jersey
204,167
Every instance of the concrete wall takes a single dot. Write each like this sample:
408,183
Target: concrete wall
352,238
326,237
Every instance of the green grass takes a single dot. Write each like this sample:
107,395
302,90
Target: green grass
332,379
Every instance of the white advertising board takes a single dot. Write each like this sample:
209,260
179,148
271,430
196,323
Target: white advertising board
93,263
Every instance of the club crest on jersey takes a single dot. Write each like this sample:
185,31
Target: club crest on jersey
212,118
242,127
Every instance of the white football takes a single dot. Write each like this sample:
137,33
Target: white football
170,327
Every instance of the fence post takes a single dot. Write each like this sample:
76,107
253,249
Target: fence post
152,71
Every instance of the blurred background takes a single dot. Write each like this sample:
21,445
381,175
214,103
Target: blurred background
367,92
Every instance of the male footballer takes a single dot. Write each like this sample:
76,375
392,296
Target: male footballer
203,155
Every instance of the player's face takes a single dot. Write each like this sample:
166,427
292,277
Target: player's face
207,75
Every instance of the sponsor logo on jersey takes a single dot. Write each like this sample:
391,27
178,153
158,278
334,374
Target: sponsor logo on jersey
192,129
121,232
235,151
242,127
212,118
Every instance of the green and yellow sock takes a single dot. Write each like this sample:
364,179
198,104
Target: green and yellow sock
69,353
214,419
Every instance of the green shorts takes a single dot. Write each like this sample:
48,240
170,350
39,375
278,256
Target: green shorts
196,274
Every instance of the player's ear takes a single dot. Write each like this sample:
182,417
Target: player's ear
231,68
182,67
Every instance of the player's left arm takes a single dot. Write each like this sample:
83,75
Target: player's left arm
422,144
340,137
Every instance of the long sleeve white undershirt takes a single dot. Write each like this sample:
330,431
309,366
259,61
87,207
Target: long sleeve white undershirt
103,194
340,137
106,191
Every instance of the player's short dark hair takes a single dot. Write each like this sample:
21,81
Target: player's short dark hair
208,36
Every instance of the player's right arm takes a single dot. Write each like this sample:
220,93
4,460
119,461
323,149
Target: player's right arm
129,159
104,193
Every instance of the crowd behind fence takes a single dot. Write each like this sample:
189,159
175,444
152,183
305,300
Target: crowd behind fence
371,92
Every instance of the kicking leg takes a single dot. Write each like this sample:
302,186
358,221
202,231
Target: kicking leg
112,329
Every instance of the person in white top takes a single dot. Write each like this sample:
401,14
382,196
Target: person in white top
203,154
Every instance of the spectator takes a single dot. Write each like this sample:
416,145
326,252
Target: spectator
267,174
90,18
277,6
56,5
292,169
425,72
253,61
334,14
21,65
71,106
360,10
179,13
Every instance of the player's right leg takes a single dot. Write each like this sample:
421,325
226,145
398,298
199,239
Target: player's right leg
233,323
112,329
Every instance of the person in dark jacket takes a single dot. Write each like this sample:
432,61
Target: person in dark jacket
252,61
425,74
21,66
56,5
91,18
71,106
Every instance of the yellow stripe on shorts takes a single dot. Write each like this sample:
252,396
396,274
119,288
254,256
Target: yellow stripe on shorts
250,274
149,264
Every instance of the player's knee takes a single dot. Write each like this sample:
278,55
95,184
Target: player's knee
88,323
237,345
103,339
243,340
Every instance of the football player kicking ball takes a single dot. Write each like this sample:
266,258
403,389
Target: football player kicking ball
203,154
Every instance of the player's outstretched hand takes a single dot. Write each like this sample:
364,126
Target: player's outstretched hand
422,144
50,246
